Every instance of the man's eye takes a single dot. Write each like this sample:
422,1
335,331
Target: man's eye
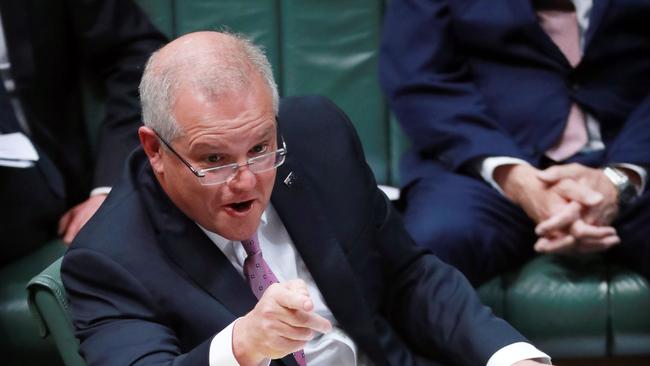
259,149
213,158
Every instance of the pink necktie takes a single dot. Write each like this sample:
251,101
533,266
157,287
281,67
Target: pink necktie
562,27
260,277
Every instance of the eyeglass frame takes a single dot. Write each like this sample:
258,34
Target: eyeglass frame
200,173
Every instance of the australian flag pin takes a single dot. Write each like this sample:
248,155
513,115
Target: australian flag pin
290,180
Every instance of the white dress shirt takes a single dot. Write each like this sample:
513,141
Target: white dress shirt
335,347
594,139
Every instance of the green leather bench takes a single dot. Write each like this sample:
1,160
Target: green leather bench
20,341
580,307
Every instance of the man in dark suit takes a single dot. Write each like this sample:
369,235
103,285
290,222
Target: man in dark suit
49,46
530,127
170,270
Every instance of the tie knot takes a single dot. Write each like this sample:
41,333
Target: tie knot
252,245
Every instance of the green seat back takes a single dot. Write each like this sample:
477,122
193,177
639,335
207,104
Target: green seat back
316,47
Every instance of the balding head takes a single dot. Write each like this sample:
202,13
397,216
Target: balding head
211,63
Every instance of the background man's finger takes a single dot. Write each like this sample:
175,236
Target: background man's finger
64,221
74,225
556,173
563,244
550,175
565,217
574,191
581,230
597,245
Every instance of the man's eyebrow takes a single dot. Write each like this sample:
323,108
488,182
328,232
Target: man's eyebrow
201,146
267,133
207,146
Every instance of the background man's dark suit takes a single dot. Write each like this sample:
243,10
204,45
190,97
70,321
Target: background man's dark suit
470,79
146,285
51,44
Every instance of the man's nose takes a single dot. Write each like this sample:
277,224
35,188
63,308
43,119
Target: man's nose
243,179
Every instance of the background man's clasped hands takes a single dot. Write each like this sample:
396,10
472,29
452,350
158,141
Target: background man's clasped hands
573,206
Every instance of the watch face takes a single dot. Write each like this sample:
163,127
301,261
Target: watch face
626,191
627,194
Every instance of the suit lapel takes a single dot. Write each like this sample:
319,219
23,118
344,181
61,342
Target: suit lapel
194,253
524,14
299,210
598,11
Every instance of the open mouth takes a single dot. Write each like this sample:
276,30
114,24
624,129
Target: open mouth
241,206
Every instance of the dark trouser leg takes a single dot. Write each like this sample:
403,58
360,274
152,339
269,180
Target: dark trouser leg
468,224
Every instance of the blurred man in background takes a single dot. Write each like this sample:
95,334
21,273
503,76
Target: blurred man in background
51,180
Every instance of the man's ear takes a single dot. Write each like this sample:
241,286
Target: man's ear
152,148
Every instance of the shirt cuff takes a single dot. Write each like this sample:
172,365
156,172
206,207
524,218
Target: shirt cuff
221,349
487,166
100,190
516,352
642,172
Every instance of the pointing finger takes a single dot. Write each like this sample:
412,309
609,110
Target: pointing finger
295,300
311,320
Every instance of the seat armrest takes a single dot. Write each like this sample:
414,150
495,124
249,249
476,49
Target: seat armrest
48,304
48,280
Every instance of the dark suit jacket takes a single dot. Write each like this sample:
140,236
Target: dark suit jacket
146,285
50,45
476,78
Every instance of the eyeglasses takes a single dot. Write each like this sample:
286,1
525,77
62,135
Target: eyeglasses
224,173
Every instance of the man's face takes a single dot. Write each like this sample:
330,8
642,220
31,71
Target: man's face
217,131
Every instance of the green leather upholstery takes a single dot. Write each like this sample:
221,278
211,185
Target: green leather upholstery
569,307
20,341
48,304
315,47
575,306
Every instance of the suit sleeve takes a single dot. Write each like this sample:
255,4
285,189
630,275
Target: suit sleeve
116,38
433,306
632,144
429,87
116,319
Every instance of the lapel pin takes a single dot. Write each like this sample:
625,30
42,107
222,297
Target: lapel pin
290,179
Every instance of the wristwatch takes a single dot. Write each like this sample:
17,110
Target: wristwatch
626,190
